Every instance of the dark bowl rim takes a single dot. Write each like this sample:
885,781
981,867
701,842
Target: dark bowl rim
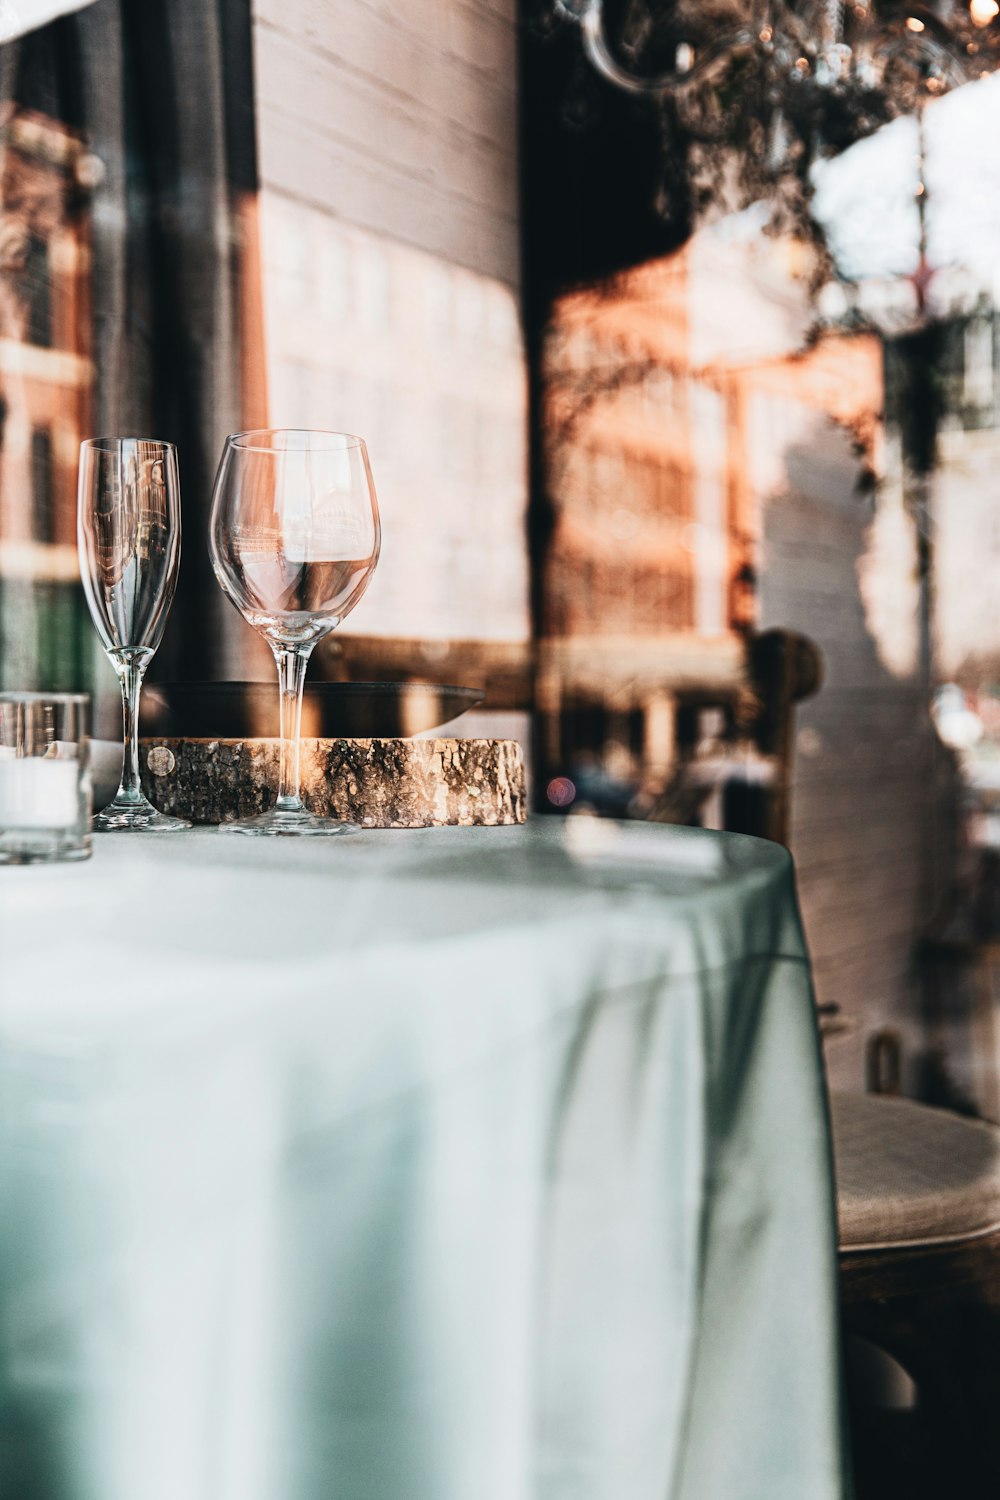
338,687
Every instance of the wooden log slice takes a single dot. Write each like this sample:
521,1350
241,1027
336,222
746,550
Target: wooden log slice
375,783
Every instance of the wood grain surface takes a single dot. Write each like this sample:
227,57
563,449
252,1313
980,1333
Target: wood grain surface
390,783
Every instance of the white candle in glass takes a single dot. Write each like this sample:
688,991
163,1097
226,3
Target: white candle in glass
39,792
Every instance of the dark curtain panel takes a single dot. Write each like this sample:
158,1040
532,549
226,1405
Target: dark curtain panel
160,95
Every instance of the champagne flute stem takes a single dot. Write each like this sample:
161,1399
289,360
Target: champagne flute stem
292,662
131,670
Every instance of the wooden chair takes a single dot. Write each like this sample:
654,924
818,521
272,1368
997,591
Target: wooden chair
918,1196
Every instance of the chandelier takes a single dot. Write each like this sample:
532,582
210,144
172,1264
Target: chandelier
784,82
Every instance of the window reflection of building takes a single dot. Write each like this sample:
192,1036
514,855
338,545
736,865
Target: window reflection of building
961,496
658,468
641,611
45,388
965,626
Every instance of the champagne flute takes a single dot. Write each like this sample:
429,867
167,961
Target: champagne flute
129,536
294,542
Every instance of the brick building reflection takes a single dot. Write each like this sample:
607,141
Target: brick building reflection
667,390
46,381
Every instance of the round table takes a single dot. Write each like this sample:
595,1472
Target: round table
454,1164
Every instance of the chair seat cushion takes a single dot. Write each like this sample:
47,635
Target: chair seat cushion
908,1175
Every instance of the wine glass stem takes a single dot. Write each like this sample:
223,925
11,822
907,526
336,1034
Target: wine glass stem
292,662
131,670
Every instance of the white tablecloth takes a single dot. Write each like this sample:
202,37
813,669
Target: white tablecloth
440,1165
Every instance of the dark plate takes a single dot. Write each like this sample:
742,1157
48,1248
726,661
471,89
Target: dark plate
330,710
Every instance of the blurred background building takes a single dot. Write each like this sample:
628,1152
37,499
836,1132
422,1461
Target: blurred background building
46,378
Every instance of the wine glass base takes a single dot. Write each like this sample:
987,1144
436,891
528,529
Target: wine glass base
135,817
290,822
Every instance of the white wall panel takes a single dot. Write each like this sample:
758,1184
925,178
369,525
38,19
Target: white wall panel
389,214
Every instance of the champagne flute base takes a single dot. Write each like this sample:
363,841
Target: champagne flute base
135,817
294,822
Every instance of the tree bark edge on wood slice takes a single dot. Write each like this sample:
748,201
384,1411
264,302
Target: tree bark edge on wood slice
390,783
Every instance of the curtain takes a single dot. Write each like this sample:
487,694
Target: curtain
127,200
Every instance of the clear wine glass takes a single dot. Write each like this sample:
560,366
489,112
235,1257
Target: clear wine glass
129,535
294,540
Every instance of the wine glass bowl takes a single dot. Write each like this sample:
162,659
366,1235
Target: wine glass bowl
294,540
129,538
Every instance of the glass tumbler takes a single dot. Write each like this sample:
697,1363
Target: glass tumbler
45,798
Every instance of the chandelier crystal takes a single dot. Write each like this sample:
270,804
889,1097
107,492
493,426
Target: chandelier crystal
784,82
